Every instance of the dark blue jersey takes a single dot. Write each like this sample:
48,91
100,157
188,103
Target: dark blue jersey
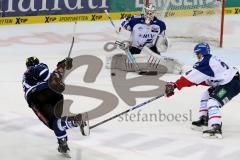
35,79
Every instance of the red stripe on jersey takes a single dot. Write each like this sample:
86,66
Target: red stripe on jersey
203,110
215,117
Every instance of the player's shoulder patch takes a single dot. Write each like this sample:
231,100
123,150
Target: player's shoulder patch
137,16
159,23
204,67
42,65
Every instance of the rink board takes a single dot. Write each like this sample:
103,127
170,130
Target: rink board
102,16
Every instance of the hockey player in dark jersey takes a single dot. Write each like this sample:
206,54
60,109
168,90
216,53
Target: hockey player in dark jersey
43,93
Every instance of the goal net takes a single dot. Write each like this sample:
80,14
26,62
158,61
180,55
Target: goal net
191,21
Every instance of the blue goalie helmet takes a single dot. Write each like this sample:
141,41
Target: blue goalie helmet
32,61
202,48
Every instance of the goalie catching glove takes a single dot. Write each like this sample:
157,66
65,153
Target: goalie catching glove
162,43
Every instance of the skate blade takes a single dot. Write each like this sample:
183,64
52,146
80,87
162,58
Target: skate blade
85,127
212,136
200,129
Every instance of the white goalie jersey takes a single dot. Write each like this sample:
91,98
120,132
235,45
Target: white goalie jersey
143,34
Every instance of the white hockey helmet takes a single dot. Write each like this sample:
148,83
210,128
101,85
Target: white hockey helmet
149,12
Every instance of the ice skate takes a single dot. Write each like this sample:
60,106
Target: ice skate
83,123
214,132
63,148
201,124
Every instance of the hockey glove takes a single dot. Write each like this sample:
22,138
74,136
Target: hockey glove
69,63
170,87
66,63
124,45
211,90
55,82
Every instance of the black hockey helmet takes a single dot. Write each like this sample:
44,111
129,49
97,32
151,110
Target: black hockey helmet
32,61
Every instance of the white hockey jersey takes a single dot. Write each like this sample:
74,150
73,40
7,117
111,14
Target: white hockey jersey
211,71
143,34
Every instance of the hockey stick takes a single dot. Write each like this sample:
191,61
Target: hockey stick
110,19
133,61
124,112
70,51
73,40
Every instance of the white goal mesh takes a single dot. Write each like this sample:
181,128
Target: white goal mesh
192,20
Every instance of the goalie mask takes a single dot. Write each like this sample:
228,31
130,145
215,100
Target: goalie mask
149,13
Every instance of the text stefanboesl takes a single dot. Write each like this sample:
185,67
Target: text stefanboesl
158,116
11,8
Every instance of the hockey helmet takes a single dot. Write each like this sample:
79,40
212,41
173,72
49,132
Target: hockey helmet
32,61
149,12
202,48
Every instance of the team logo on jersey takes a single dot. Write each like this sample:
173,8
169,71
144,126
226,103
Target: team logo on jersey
155,29
196,65
148,36
221,93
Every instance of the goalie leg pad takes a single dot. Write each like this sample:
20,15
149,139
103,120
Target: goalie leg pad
172,65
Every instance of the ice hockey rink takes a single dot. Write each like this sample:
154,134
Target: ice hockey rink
24,137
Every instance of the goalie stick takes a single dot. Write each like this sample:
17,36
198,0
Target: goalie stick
133,61
124,112
110,19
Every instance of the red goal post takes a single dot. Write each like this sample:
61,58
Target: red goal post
196,21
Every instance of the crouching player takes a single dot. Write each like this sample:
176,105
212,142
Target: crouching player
224,82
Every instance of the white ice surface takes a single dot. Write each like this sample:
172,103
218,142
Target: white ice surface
23,137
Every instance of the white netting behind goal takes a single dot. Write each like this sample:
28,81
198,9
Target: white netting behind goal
191,21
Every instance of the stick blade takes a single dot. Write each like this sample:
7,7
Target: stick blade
149,73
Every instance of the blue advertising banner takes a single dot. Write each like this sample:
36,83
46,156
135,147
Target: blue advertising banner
13,8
